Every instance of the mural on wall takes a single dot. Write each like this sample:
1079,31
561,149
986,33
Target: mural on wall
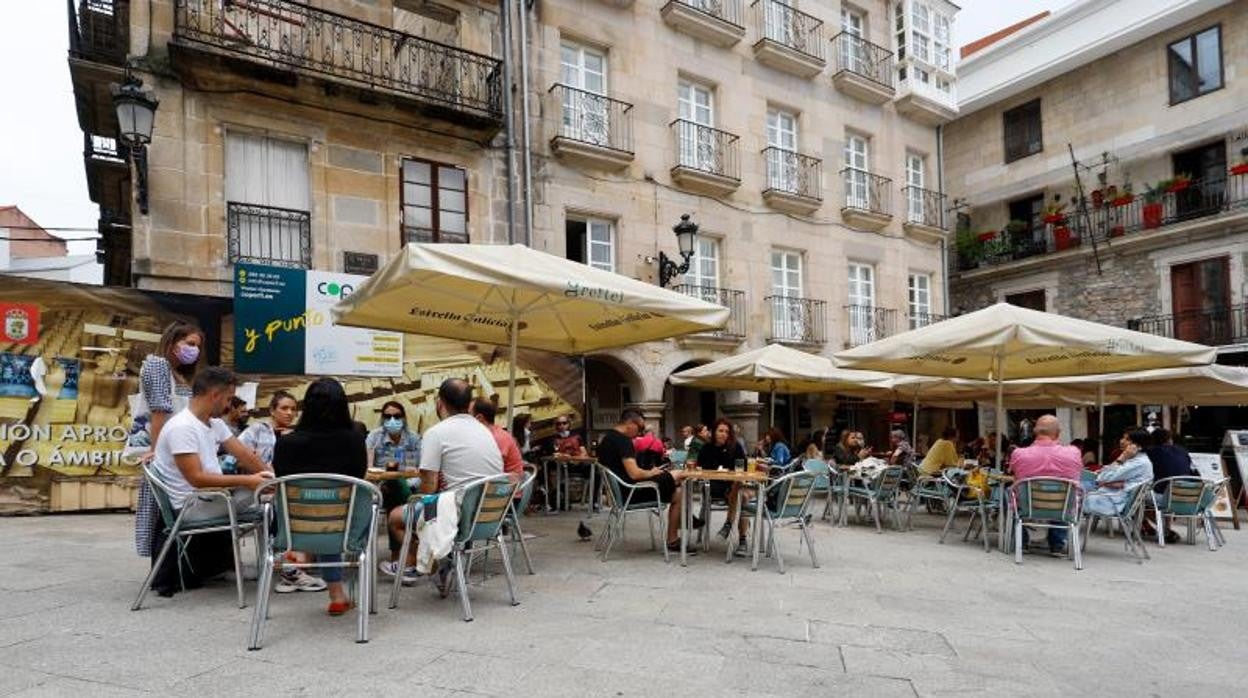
70,365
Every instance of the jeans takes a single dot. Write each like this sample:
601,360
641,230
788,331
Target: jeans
330,574
1056,536
214,508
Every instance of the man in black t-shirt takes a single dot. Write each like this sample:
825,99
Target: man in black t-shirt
616,453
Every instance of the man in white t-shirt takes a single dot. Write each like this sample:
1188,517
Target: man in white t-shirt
186,452
454,451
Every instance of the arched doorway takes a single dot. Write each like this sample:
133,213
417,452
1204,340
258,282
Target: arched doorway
609,385
689,406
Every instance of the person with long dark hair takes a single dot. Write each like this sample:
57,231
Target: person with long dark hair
324,441
723,451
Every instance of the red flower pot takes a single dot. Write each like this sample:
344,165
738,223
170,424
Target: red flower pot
1117,231
988,237
1062,239
1054,219
1178,186
1122,200
1152,215
1240,169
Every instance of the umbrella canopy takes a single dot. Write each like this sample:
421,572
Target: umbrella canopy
1006,342
776,368
477,292
1188,385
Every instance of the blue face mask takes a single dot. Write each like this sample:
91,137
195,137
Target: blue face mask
392,425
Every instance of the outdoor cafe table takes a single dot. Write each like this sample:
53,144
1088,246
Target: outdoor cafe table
745,478
562,491
379,475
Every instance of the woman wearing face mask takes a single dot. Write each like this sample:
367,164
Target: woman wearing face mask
261,436
394,447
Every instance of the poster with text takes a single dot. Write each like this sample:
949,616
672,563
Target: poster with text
344,351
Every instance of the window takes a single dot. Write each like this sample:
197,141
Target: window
782,143
779,22
853,52
861,304
921,32
584,110
915,167
1034,300
1028,239
1206,164
940,41
1195,65
1023,135
1029,211
856,168
703,275
267,200
435,202
788,314
591,241
696,109
919,294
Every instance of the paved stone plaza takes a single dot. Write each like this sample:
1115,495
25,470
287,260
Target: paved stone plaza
894,614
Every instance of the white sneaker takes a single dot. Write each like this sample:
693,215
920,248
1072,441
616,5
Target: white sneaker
411,576
388,568
298,580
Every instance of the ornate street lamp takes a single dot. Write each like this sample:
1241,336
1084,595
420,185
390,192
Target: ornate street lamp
686,237
136,113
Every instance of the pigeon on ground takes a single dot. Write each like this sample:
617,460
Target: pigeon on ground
583,531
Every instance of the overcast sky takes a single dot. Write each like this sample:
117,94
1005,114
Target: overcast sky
41,144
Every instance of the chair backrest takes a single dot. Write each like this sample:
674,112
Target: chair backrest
526,489
1183,494
888,481
678,459
1136,496
483,506
615,493
160,492
1210,496
1049,498
322,514
792,493
819,468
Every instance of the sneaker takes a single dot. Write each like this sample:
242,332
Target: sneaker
725,530
743,548
298,580
411,576
388,568
674,547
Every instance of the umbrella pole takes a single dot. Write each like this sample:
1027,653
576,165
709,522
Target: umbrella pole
772,421
1178,419
914,432
1001,541
511,371
1100,422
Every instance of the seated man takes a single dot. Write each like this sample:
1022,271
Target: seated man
1169,460
186,455
484,411
615,452
454,451
1047,457
943,454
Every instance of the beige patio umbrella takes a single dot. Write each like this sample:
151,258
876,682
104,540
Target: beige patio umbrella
776,368
1005,342
517,296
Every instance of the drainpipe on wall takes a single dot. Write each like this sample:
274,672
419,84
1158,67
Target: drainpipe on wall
944,241
509,127
526,165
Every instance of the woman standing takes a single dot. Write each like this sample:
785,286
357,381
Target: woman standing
325,441
165,387
394,447
262,436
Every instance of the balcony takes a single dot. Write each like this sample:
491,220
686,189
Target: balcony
278,237
868,199
868,323
1217,326
593,130
788,40
734,331
797,320
281,43
922,99
925,214
716,22
1114,221
794,181
708,160
864,70
99,39
919,319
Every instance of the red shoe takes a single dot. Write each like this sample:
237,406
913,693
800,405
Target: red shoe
337,608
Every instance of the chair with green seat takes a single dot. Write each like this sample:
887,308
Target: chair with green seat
879,493
179,532
823,481
1046,502
483,506
963,501
1190,498
933,490
320,515
785,500
520,505
621,504
1129,518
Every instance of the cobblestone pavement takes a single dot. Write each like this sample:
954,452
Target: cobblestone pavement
893,614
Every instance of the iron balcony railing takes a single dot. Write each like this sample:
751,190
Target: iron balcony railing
1109,218
1217,326
794,173
99,30
706,149
326,44
868,323
921,319
856,55
731,299
595,119
924,207
279,237
103,148
726,10
867,192
797,320
789,27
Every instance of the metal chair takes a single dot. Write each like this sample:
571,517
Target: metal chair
1190,498
979,507
880,492
1128,519
620,503
678,458
518,507
178,531
824,478
927,489
482,509
792,498
1046,502
322,514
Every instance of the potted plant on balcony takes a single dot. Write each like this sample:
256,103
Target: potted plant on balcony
1055,212
1122,198
970,248
1179,183
1152,204
1241,167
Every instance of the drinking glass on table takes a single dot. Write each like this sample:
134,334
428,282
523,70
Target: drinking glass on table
738,465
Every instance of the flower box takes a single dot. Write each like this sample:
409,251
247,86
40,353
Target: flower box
1122,200
1055,219
1240,169
1152,215
988,236
1178,185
